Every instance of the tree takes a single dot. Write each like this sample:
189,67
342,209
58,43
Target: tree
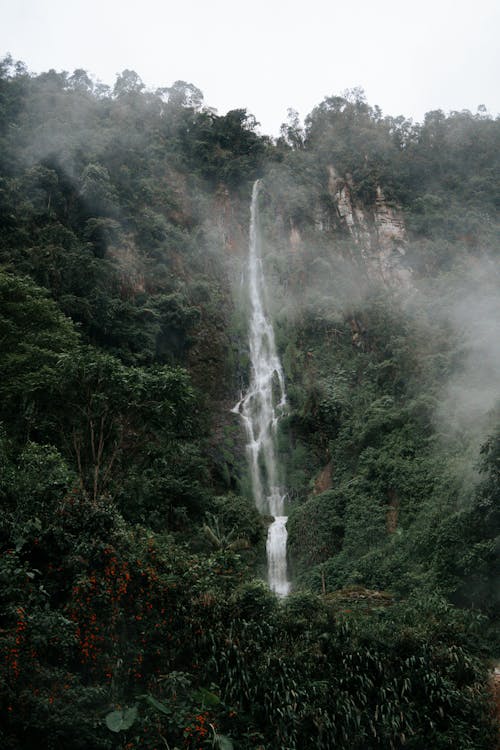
128,82
292,131
182,94
113,417
33,334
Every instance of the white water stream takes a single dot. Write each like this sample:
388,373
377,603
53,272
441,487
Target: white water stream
260,409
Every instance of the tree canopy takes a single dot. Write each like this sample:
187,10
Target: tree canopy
133,611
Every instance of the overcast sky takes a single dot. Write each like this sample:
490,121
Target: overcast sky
268,55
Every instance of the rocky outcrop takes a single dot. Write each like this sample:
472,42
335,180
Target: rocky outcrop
378,232
295,238
226,220
323,481
129,266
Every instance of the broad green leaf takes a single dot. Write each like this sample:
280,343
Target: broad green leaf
205,697
129,716
159,706
120,721
114,721
223,742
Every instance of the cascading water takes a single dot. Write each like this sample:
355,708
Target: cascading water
260,409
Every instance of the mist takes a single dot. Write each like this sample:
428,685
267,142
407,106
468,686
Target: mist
129,334
470,396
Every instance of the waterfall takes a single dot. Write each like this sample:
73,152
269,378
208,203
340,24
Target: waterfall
260,408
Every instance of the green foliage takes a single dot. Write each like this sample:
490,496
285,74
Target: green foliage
317,528
120,721
326,679
239,517
34,334
130,616
353,136
398,516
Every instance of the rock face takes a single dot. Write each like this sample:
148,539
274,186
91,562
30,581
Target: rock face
378,232
226,222
129,266
323,481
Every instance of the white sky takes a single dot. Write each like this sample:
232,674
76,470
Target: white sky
268,55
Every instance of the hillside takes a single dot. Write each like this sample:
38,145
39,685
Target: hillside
134,611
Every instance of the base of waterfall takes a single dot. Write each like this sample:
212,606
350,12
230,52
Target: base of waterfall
276,556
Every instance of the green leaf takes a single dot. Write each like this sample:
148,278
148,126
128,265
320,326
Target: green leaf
120,721
207,698
114,721
159,706
223,742
129,716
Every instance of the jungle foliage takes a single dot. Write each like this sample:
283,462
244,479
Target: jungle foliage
132,610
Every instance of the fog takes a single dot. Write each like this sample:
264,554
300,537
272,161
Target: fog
453,316
470,396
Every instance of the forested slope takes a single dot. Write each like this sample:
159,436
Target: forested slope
132,610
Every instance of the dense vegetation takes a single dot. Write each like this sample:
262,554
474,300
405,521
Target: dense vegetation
132,614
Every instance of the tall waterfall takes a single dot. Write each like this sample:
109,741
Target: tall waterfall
260,409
